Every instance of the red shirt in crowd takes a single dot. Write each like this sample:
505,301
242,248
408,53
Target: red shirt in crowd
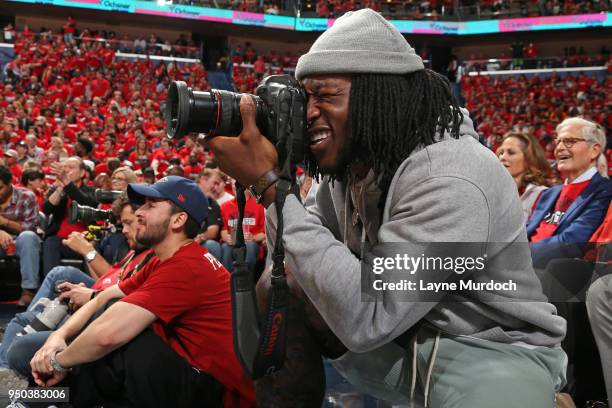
254,221
67,228
99,87
77,85
600,239
190,295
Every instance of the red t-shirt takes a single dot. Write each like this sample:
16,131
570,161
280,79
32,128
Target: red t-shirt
112,276
77,85
190,295
16,171
601,237
67,228
99,87
569,194
254,216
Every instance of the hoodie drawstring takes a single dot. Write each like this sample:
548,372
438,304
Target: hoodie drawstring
430,366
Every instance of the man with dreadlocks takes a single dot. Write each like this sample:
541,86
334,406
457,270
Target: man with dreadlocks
398,162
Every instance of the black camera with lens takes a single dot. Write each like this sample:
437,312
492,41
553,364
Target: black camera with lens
83,214
280,105
106,196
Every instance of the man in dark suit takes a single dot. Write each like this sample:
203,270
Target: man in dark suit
23,120
567,215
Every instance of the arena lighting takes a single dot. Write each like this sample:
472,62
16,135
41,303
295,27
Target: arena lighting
164,2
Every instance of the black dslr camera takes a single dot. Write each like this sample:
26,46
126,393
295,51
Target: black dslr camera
280,104
106,196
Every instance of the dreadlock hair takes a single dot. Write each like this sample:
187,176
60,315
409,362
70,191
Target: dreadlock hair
390,116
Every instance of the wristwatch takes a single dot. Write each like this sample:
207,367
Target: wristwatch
264,182
91,255
55,365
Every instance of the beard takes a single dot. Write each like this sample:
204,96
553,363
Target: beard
338,172
153,234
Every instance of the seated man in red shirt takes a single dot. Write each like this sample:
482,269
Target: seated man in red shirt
168,341
77,288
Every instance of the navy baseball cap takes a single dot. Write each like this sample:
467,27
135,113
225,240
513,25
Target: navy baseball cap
183,192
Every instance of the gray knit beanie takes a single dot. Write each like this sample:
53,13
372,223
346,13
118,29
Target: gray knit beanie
359,42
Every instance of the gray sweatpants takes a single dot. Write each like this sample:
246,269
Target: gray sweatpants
599,307
458,372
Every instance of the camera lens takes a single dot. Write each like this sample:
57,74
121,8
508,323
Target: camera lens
88,215
213,113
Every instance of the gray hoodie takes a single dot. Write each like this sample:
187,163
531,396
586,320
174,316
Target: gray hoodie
454,190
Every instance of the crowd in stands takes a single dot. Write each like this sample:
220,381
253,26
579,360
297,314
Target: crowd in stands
535,105
527,56
151,45
464,10
252,6
249,66
63,98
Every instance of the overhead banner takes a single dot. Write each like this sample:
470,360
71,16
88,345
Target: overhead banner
321,24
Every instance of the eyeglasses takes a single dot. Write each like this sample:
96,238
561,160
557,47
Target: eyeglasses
568,142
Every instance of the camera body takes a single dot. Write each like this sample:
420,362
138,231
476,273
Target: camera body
280,106
106,196
50,316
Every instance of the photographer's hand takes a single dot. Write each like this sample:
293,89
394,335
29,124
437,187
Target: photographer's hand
248,156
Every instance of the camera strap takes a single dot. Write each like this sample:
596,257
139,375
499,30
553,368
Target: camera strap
261,348
245,318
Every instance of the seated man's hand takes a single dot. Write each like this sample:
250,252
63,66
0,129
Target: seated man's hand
58,170
41,362
77,295
199,238
227,237
249,156
55,378
5,239
77,242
